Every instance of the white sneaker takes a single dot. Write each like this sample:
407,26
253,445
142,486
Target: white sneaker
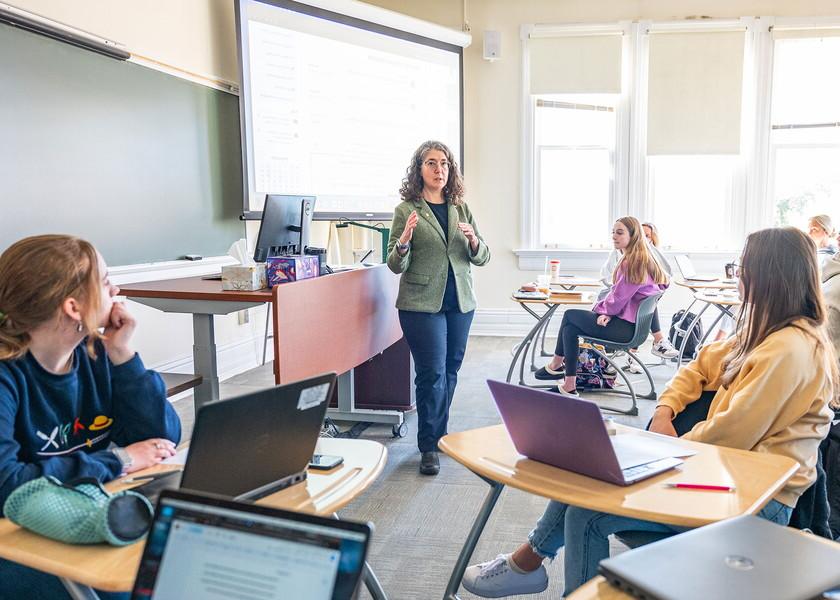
664,349
496,579
633,366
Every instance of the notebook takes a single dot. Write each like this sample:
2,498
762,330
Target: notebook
206,547
744,557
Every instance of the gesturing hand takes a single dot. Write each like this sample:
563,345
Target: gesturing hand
603,320
148,453
410,224
469,233
118,334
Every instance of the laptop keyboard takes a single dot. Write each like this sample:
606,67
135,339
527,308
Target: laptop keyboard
631,472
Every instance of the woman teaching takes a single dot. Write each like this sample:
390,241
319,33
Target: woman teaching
434,240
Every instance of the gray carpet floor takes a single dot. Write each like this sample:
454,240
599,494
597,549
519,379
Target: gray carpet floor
421,522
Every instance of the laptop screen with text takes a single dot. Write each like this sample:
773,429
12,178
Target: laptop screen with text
198,550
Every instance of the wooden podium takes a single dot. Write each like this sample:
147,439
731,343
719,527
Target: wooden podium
345,322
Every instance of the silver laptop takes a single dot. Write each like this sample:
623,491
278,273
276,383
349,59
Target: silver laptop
744,557
688,272
569,433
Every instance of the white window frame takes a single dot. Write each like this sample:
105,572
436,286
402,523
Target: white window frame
631,182
766,208
531,256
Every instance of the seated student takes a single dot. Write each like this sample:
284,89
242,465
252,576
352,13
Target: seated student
637,276
67,391
821,230
662,346
831,291
773,381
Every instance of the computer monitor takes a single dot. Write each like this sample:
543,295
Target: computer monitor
284,227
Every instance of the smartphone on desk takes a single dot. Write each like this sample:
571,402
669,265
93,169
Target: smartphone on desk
325,462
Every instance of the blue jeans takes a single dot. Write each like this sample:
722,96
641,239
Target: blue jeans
584,533
17,581
437,342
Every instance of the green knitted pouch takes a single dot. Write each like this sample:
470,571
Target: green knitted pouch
79,511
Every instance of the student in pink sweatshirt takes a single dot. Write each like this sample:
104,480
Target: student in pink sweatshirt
637,276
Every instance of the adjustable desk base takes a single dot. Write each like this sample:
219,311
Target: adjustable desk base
347,410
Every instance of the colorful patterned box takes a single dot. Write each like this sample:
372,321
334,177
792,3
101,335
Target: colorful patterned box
283,269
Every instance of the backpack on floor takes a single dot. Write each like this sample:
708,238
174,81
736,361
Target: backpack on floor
593,371
694,336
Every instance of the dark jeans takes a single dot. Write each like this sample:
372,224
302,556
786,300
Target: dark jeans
437,342
17,581
655,327
577,322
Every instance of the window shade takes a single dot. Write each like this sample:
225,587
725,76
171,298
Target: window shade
694,93
575,64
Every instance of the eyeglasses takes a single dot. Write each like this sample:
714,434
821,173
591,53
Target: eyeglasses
433,164
738,268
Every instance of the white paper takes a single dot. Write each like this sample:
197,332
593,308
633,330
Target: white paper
633,450
239,251
180,457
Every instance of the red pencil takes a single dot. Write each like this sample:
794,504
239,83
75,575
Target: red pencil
701,486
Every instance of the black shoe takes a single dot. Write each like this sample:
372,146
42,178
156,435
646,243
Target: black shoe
429,463
543,374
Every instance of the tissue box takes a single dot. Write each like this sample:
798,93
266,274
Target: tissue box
243,277
282,269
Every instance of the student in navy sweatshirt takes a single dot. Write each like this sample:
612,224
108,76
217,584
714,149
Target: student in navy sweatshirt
74,401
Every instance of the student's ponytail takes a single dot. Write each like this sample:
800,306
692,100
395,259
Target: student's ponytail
37,274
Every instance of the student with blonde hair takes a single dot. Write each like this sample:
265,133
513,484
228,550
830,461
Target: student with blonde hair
765,389
821,231
637,276
74,402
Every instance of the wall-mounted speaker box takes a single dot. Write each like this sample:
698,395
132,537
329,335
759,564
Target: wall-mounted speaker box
492,45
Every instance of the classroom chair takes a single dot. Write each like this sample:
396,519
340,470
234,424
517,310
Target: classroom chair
644,316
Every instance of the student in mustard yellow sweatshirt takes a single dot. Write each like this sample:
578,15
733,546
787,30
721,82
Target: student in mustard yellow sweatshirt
768,387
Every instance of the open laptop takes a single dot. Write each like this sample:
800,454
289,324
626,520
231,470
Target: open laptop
687,270
255,444
210,548
569,433
744,557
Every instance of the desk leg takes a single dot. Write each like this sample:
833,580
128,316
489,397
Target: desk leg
686,333
78,591
204,359
462,563
369,577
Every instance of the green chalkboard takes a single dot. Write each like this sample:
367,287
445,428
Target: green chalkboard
145,165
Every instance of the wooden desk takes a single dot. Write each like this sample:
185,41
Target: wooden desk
694,286
598,588
331,323
489,453
113,569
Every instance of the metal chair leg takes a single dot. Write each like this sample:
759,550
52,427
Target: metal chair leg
634,409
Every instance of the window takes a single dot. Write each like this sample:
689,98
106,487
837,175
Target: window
574,149
805,131
692,201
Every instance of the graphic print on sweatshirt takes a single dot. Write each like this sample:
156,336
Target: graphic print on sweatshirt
69,437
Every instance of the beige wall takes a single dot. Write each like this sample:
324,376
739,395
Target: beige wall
198,36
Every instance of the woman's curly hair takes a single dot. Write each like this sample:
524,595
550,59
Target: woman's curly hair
412,185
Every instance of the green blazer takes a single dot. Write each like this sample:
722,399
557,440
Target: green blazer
424,267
